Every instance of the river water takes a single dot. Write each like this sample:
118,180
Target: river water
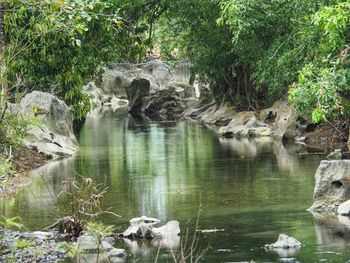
249,191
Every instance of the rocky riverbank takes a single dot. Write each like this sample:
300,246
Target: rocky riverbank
161,92
50,136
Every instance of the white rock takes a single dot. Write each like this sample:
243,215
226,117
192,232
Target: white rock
285,242
344,208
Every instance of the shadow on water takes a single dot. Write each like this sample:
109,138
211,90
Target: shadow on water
251,189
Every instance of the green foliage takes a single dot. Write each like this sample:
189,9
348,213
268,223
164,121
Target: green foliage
5,167
71,249
58,45
323,85
13,222
23,244
98,230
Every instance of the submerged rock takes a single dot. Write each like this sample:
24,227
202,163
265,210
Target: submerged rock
332,185
285,242
53,135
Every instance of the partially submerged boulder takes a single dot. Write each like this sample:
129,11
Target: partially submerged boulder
285,121
54,135
285,242
332,185
245,124
143,227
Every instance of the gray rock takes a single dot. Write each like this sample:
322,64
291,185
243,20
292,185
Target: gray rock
116,252
153,88
163,104
170,229
285,242
245,124
97,96
143,227
332,185
136,92
54,136
140,227
285,120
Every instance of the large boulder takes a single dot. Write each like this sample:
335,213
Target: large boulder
332,185
245,124
284,119
53,135
119,77
153,88
164,104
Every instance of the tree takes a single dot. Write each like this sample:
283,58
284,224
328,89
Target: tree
58,45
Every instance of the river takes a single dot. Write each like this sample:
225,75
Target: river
249,191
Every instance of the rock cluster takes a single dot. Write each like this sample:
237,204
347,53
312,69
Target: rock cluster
152,88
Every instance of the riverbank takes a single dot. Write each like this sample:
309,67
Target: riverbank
280,122
22,162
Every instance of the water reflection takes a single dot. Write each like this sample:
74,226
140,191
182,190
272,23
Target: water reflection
332,230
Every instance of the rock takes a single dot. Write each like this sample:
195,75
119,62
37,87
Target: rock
344,208
97,96
116,252
285,242
118,103
136,92
42,235
163,104
54,136
332,185
159,70
245,124
143,227
140,226
170,229
284,119
336,155
182,73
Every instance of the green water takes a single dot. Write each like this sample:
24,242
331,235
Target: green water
251,190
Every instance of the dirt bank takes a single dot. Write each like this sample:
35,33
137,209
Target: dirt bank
23,161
